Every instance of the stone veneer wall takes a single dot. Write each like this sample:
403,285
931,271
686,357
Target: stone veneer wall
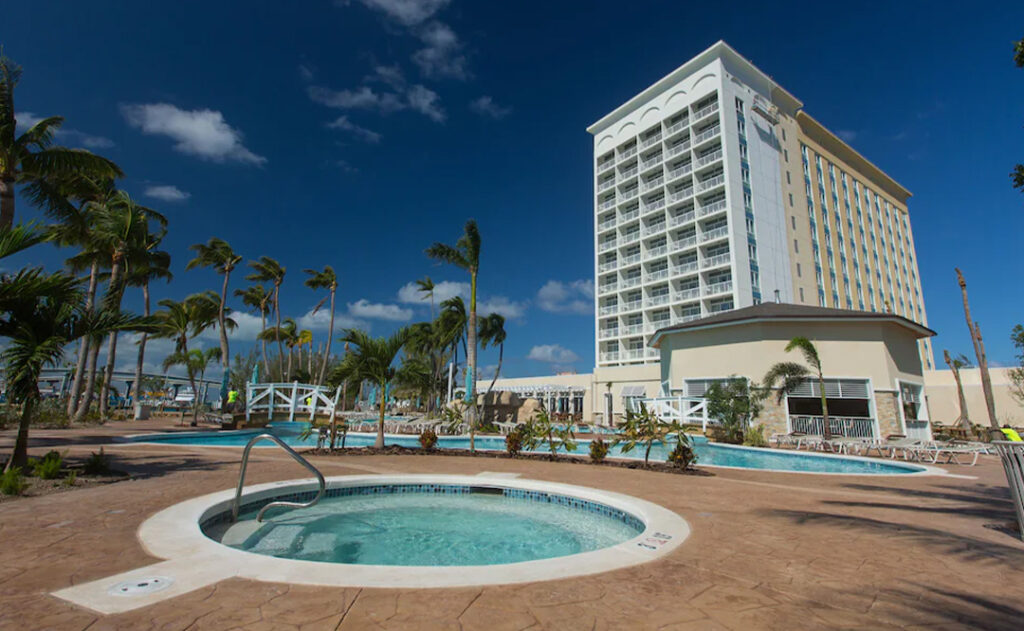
888,413
773,416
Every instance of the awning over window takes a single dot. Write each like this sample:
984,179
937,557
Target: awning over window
634,391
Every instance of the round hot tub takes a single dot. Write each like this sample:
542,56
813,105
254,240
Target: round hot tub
417,531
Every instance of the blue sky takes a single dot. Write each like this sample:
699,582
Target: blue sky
355,133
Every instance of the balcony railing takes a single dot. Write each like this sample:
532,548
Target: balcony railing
608,203
629,215
625,196
657,301
718,288
650,184
704,185
635,353
628,173
715,261
684,268
657,275
632,306
647,142
605,225
654,205
629,237
609,309
631,259
651,162
677,149
680,171
654,228
658,324
633,329
709,133
719,307
710,209
607,164
689,317
633,281
681,219
606,184
682,244
608,265
711,157
654,253
717,233
606,288
857,427
607,333
628,153
678,196
687,294
676,127
606,245
610,356
704,111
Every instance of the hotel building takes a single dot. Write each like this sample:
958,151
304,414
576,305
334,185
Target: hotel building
714,190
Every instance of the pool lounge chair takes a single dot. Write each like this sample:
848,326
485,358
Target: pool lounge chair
908,447
788,439
932,452
810,441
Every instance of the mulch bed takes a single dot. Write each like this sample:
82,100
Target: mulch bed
398,450
38,487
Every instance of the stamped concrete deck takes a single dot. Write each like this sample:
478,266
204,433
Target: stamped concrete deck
768,551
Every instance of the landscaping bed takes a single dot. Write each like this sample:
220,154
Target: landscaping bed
37,487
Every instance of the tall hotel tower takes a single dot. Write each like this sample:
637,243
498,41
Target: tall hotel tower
714,190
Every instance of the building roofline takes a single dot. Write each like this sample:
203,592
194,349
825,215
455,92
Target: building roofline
716,50
821,134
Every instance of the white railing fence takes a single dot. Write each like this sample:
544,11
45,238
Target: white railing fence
691,410
290,399
853,426
1012,455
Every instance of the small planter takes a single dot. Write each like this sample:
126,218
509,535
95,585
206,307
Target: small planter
142,412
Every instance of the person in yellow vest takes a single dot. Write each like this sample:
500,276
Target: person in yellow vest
232,400
1011,434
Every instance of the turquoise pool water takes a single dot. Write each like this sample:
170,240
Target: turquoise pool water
442,525
707,453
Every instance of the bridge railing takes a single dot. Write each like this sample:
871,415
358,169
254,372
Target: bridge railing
290,400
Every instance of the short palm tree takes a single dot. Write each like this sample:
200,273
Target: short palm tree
372,359
285,334
257,298
426,286
787,376
465,254
955,365
32,156
325,279
492,333
195,362
267,270
217,254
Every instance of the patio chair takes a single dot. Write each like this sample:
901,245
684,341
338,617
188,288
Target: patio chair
811,441
951,451
909,447
787,439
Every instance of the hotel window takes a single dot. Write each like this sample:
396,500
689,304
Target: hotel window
783,134
792,219
788,180
799,272
790,200
785,153
801,294
796,246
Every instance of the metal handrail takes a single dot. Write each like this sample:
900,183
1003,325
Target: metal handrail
291,452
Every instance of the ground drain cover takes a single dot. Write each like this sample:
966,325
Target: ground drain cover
141,587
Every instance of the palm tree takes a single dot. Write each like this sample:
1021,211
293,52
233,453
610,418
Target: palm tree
373,360
492,332
195,362
789,375
32,157
328,280
257,298
955,364
216,253
285,334
465,254
155,265
267,269
426,286
180,321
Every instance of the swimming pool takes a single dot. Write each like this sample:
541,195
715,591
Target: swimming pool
708,454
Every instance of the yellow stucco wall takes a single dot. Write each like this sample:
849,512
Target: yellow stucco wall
940,388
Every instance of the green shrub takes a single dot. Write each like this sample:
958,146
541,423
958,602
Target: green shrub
598,450
683,455
428,439
97,463
754,437
539,430
48,468
12,482
71,478
514,441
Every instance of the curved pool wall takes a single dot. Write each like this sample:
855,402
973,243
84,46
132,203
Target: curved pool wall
708,454
175,534
426,524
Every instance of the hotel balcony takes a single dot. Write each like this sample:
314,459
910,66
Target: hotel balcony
629,215
680,171
654,253
684,268
605,205
630,260
633,281
608,310
605,185
705,111
609,333
633,329
660,274
610,356
607,288
625,196
687,294
707,134
675,128
628,153
716,261
658,324
679,220
712,208
604,246
651,163
714,156
690,317
608,265
718,288
636,353
654,228
717,233
647,142
675,150
651,184
635,305
627,174
704,185
684,243
657,204
678,196
718,307
606,224
630,237
607,164
657,301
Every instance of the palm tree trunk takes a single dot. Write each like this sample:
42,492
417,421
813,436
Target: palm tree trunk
140,360
501,355
6,202
263,343
380,421
225,357
962,418
330,336
19,457
471,363
83,347
280,348
826,431
291,352
114,289
979,352
90,379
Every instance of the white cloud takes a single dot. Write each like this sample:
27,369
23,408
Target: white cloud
485,106
363,308
390,75
166,192
343,123
416,98
202,133
441,55
249,326
407,12
426,102
552,354
321,320
847,135
575,297
502,306
67,136
410,292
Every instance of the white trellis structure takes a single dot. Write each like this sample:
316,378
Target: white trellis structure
689,410
290,399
